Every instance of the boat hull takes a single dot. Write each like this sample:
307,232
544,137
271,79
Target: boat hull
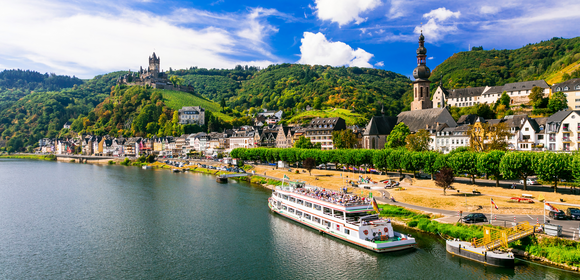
394,246
492,258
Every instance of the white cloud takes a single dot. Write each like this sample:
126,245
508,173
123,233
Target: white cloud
437,26
441,14
380,64
430,57
317,50
344,11
69,39
398,8
489,9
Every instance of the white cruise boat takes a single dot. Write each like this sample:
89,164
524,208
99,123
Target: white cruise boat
342,216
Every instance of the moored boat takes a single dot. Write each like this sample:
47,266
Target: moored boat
340,215
479,254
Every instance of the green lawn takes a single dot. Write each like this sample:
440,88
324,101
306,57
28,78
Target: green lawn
350,117
177,99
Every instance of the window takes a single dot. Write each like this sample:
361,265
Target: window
577,87
565,88
308,204
317,207
527,129
316,220
285,197
540,137
298,213
346,231
291,210
306,216
558,89
526,137
299,201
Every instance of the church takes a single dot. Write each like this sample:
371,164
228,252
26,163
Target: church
152,77
422,114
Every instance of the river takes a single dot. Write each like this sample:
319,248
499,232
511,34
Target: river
75,221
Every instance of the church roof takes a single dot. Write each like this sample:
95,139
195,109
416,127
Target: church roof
420,119
380,125
528,85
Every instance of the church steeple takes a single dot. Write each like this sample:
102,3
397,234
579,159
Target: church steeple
421,83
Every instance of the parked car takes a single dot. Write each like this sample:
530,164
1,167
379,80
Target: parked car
573,213
475,218
557,215
530,182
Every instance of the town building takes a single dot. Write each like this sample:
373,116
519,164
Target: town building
320,131
192,115
571,89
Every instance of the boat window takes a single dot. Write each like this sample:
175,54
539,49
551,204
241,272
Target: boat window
326,223
285,197
291,210
292,199
346,231
284,207
317,207
299,201
327,211
298,213
307,216
339,214
317,220
308,204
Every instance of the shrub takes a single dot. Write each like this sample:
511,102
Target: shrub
126,162
111,162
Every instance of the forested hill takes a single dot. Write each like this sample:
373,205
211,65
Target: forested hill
38,114
551,60
293,87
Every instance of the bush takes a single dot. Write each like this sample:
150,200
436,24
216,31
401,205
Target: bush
555,249
126,162
111,162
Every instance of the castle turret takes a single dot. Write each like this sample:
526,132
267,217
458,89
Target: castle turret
421,83
154,62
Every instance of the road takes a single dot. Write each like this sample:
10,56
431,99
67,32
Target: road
570,228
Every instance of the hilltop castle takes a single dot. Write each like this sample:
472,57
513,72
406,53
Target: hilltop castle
152,77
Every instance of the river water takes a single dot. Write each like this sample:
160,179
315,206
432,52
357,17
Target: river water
74,221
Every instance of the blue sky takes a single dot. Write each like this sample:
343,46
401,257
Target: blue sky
91,37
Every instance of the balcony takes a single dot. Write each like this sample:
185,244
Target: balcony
566,139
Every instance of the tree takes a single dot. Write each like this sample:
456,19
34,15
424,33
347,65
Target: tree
444,178
344,139
223,104
553,167
309,164
557,102
517,165
504,99
536,95
488,163
486,137
398,136
429,159
175,80
419,141
303,143
465,162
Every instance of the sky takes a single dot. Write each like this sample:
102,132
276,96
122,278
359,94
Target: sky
92,37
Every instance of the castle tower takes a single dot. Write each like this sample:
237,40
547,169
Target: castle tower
421,84
154,65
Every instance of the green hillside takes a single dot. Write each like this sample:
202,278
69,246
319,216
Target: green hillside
544,60
29,115
177,99
350,117
293,87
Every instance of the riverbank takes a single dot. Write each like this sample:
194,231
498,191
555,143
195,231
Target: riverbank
27,156
538,248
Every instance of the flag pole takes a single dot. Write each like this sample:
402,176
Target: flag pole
544,211
491,217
